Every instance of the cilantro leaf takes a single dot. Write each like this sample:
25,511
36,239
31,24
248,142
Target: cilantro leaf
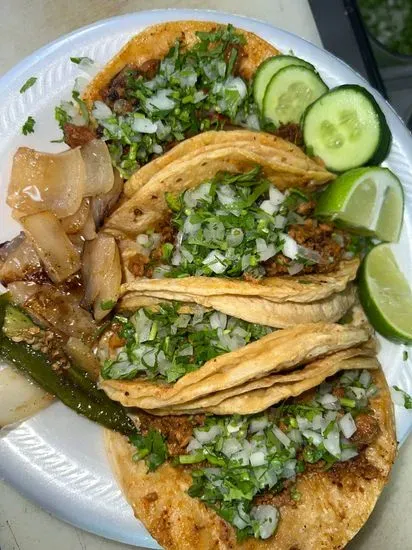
406,397
28,84
151,447
28,126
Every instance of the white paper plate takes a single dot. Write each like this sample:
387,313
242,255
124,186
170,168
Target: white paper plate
57,458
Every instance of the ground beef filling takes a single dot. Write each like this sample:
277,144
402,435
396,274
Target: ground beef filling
178,431
291,132
76,136
320,237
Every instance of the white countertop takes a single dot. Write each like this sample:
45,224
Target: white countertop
26,25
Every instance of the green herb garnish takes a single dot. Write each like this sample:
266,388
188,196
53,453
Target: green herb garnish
82,60
167,344
151,447
28,84
28,126
406,397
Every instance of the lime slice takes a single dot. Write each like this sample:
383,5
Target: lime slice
386,295
368,201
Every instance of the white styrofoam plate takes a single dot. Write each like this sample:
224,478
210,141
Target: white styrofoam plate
57,458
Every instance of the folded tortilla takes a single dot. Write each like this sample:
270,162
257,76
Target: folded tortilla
148,206
333,506
274,388
261,143
279,351
275,301
155,41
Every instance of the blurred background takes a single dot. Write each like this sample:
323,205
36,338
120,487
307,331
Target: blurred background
375,38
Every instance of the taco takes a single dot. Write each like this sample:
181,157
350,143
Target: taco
305,474
171,81
160,358
236,243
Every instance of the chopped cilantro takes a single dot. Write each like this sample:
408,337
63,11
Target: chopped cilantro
151,447
229,226
167,344
28,126
191,91
407,399
405,355
242,457
28,84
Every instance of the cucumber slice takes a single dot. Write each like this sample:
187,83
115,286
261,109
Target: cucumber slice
268,69
289,92
346,129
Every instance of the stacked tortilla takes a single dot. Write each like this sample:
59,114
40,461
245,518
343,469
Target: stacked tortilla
307,347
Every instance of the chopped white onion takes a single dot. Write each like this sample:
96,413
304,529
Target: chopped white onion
236,83
275,196
267,516
290,247
101,111
280,221
226,194
161,101
257,459
283,438
294,268
295,436
218,320
347,425
216,261
157,149
144,125
258,424
245,261
206,436
303,423
313,436
332,442
365,379
329,401
359,393
231,446
268,207
235,237
194,445
309,254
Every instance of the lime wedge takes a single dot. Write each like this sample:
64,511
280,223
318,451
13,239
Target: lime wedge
368,201
386,295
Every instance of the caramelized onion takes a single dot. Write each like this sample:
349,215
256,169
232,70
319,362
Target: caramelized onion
46,181
88,233
102,274
99,170
62,312
18,260
21,291
20,398
56,252
102,205
82,356
74,223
